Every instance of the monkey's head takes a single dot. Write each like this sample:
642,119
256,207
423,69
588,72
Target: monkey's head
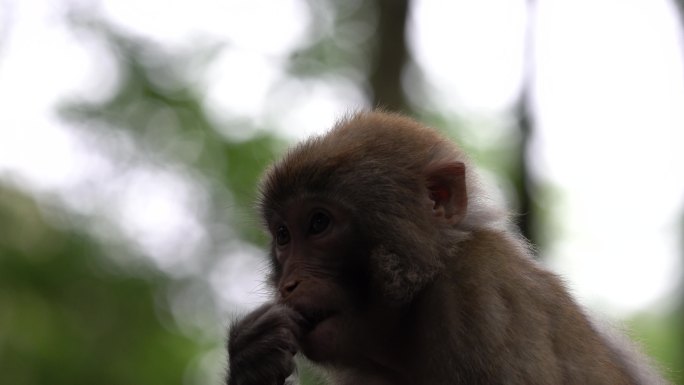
361,220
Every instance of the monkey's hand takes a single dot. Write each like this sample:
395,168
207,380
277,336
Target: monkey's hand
262,345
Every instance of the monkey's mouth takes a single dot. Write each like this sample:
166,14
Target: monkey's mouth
313,317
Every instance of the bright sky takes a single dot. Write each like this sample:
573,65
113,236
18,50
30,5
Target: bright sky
609,95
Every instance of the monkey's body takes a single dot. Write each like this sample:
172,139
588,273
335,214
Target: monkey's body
515,324
392,267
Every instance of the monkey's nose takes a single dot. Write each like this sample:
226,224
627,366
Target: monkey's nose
288,287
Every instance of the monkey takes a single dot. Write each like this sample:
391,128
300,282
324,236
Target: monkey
390,264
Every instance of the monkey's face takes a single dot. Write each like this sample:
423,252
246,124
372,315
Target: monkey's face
320,268
358,219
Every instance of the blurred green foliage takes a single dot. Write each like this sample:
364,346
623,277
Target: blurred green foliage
77,309
159,103
661,338
70,315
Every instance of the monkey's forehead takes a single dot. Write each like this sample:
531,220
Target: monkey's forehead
369,142
352,183
369,157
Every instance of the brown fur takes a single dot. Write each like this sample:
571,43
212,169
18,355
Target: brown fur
411,293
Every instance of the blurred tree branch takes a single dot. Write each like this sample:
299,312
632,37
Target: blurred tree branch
525,121
391,56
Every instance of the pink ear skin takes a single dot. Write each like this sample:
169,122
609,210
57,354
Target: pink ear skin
446,185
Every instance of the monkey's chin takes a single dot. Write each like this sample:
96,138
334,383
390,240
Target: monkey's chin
321,343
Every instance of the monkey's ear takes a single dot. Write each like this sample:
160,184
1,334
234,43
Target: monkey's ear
446,184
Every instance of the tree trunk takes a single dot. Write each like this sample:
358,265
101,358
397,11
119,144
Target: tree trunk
525,122
391,55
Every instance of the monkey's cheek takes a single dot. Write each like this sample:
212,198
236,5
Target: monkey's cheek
321,344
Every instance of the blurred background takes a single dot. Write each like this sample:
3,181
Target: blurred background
132,134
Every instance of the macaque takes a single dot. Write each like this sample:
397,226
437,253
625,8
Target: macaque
390,265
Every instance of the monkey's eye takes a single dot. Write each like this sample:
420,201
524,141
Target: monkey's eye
282,236
319,222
